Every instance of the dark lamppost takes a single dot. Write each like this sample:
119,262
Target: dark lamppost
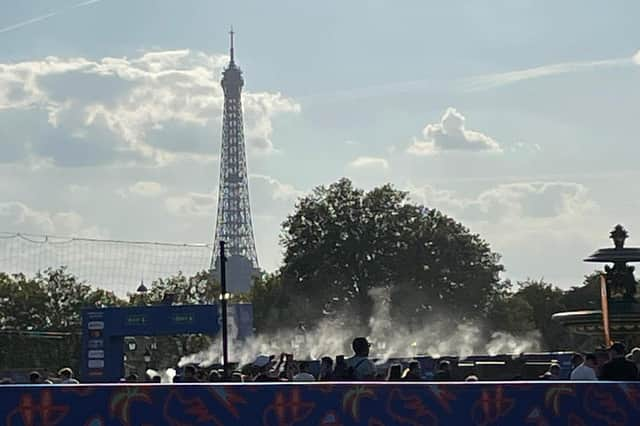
224,297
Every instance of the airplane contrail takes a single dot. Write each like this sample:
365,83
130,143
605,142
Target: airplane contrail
46,16
490,81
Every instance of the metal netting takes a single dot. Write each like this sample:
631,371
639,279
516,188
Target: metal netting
114,265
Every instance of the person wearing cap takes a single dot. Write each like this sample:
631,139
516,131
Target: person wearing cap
619,368
66,377
359,365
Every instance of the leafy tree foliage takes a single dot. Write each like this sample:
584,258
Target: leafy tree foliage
50,301
341,242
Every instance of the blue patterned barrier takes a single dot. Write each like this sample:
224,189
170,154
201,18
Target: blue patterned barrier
372,404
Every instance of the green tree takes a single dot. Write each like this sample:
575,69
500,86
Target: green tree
513,314
49,302
271,304
341,242
546,300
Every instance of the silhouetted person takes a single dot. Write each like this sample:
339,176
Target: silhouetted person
413,373
586,370
340,369
359,365
471,378
619,368
554,370
603,356
132,378
190,374
66,377
444,371
326,369
395,373
576,360
214,376
304,375
35,378
634,356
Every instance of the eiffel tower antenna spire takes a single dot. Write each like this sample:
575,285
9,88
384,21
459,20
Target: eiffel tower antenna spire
231,33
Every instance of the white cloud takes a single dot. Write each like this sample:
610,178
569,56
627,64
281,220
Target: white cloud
192,204
17,216
155,109
542,229
372,163
261,185
450,134
146,189
513,202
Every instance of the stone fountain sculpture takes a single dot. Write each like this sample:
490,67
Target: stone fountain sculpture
622,289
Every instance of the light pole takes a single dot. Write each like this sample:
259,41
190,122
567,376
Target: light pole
224,296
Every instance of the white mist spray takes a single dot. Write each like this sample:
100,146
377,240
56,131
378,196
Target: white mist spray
332,336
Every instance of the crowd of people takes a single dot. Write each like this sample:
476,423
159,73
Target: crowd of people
612,363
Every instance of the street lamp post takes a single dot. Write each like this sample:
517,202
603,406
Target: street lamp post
223,303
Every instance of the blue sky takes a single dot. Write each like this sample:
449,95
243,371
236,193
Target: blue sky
517,118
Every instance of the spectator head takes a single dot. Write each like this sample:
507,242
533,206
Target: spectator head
237,377
444,365
617,350
590,360
326,362
554,369
576,360
414,367
35,378
395,372
634,355
361,346
471,378
303,366
132,378
262,362
156,379
65,373
189,372
214,376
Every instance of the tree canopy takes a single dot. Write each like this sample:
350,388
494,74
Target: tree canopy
342,242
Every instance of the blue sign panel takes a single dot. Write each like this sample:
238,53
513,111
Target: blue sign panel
103,331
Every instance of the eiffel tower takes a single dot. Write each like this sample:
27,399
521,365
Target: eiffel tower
233,223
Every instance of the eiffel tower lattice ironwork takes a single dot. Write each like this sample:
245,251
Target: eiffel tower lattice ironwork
233,223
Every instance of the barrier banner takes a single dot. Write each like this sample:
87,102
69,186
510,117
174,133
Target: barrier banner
371,404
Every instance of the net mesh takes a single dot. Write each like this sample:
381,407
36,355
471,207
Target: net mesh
114,265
